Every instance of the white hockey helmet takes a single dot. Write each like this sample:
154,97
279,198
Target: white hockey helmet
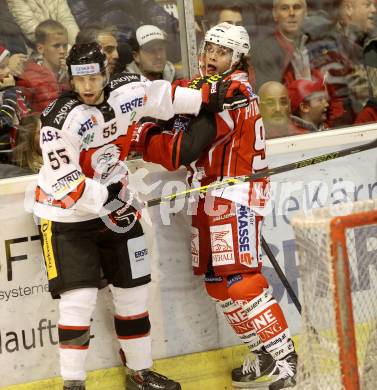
230,36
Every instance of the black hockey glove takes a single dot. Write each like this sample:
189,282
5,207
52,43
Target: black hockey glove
219,95
119,202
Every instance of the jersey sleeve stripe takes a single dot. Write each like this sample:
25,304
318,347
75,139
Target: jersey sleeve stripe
65,203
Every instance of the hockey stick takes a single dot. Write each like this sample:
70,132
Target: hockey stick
264,173
326,343
281,275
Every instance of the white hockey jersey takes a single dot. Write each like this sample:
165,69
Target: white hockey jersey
84,146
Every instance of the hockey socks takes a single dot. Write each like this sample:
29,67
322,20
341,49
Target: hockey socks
268,320
241,324
132,325
75,308
135,340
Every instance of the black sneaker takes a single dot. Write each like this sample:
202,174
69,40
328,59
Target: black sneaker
149,380
287,369
257,371
74,385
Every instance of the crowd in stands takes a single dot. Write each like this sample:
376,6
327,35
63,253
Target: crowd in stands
313,63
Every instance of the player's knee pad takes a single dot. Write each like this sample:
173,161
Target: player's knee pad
131,317
130,301
216,287
76,308
245,287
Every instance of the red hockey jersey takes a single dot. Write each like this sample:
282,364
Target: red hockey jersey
238,149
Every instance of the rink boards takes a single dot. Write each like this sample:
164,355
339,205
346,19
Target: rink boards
184,320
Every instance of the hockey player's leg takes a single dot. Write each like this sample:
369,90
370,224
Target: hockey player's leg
133,330
267,318
75,307
259,363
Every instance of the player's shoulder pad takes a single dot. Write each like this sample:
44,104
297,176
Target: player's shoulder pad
122,78
57,111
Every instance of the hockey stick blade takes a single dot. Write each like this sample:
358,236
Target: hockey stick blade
264,173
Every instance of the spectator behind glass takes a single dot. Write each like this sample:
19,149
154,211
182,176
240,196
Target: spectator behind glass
106,36
231,12
12,107
30,13
44,79
356,25
275,110
27,153
11,37
369,113
274,53
149,53
309,105
127,16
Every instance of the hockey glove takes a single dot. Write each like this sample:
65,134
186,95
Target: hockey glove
140,135
219,95
119,202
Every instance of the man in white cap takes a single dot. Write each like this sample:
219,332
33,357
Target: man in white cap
149,54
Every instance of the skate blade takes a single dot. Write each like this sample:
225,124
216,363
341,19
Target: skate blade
261,383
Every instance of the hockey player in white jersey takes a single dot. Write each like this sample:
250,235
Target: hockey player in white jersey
85,137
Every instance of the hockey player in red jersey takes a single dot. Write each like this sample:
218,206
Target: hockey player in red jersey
85,137
226,229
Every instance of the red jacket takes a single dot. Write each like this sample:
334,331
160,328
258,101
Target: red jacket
40,86
369,113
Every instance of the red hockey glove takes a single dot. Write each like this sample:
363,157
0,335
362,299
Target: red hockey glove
219,95
140,135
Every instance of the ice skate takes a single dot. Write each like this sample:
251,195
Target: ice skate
256,371
286,368
74,385
149,380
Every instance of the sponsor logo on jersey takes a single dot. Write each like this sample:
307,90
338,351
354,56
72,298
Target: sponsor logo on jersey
48,109
181,123
66,183
64,111
131,105
50,135
214,87
222,245
124,79
88,139
243,224
223,216
87,125
195,246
